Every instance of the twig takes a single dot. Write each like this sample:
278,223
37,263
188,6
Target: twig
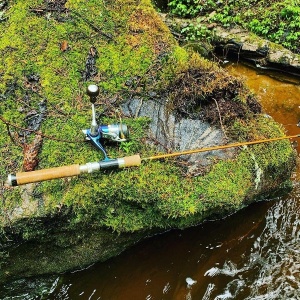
93,26
9,133
36,132
157,142
138,109
220,118
43,9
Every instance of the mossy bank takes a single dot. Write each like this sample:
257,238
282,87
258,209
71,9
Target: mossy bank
262,33
50,52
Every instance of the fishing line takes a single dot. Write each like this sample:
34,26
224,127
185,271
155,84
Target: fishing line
7,123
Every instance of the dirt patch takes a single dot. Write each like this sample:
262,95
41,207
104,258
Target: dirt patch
210,96
140,24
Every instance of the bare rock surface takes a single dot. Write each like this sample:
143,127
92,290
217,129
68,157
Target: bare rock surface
179,134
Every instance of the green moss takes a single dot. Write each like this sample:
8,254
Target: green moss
155,194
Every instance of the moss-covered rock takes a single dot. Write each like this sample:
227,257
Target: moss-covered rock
50,52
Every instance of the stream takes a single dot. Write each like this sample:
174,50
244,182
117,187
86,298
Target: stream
252,254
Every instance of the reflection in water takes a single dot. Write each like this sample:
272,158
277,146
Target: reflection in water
253,254
277,250
279,96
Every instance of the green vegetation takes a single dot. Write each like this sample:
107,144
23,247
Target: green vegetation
275,20
197,32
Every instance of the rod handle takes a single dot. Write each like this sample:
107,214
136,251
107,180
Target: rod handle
72,170
42,175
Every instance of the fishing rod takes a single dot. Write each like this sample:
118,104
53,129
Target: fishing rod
128,161
187,152
116,132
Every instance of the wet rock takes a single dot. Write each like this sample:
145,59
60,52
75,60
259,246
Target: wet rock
264,52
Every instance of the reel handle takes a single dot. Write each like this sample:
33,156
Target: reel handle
72,170
93,92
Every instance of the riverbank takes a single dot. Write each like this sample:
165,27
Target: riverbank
159,265
130,53
223,44
264,33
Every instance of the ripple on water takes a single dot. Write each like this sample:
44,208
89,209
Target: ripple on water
272,267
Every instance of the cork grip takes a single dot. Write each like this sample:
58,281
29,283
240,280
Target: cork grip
46,174
130,161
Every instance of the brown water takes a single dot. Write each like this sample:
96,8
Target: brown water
253,254
278,94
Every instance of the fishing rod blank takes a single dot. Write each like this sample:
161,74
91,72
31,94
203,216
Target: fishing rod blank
187,152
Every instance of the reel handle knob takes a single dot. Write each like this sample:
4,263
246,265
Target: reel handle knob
92,92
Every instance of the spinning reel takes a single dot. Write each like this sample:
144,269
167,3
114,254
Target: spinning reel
98,133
